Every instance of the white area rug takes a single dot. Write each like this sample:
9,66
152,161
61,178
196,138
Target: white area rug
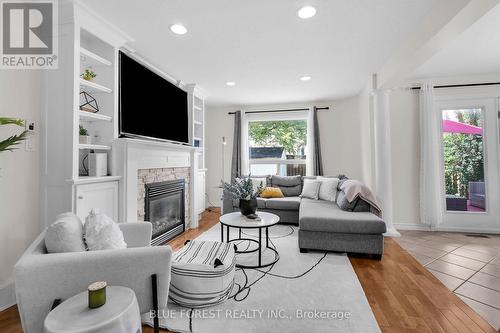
302,292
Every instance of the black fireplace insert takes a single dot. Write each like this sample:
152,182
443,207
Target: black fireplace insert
165,210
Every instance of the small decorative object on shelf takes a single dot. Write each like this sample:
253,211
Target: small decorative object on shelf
97,294
84,136
88,75
243,190
88,103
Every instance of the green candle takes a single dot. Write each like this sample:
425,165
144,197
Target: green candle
97,294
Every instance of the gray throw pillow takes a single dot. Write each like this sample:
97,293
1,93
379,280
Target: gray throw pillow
341,181
343,203
361,206
291,186
358,205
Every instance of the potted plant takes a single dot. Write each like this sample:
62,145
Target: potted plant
13,140
88,75
243,190
9,143
84,136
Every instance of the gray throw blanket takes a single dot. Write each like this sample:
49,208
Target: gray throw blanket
355,189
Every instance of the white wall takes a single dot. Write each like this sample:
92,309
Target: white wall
405,156
341,138
367,149
20,97
218,124
340,134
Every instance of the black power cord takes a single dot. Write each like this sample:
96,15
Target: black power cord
247,286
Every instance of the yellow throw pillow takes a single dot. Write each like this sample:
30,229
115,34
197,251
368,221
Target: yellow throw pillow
271,192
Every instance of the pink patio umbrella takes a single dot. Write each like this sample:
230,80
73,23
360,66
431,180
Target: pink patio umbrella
450,126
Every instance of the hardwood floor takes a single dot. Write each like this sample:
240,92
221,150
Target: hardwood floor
403,295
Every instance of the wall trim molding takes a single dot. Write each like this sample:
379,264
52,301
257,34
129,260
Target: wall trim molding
423,227
469,230
412,226
7,295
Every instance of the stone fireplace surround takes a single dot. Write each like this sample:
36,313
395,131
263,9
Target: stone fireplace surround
142,162
148,176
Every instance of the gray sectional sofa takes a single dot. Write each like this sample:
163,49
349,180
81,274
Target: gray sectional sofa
322,224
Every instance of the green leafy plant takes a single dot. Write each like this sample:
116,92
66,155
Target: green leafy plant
463,156
83,131
9,143
242,188
88,75
289,134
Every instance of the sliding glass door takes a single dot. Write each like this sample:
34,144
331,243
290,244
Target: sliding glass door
469,164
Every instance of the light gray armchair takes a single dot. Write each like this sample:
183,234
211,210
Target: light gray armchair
40,278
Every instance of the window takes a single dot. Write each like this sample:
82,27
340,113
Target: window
463,154
277,145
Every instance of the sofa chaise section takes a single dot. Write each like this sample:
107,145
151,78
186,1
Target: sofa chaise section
324,226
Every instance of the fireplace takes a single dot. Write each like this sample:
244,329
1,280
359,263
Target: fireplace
164,209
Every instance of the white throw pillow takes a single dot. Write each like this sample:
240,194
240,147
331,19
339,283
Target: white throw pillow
65,234
310,189
328,188
102,233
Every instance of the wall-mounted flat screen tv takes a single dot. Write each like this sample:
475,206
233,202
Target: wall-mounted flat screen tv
150,106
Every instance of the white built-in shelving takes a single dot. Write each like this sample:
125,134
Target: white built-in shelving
92,180
90,117
94,87
85,42
91,59
94,147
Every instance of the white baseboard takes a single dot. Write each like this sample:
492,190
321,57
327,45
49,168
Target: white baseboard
412,226
392,232
423,227
468,230
7,295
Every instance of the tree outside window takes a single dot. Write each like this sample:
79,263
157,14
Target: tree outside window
288,135
463,153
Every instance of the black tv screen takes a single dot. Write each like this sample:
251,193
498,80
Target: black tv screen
150,106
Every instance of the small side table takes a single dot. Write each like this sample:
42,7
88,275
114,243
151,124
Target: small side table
119,314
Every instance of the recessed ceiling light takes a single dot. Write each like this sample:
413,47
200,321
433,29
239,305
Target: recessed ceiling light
306,12
305,78
230,83
178,29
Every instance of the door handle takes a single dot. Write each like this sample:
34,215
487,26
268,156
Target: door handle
80,197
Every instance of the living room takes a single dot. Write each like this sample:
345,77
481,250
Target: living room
214,166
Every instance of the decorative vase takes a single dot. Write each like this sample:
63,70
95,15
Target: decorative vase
84,139
248,207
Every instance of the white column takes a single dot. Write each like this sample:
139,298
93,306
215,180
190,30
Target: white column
383,157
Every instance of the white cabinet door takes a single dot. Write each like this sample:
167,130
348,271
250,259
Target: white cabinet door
103,197
200,192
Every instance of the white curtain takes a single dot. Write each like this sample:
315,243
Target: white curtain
431,205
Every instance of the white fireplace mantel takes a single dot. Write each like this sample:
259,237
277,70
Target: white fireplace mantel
134,154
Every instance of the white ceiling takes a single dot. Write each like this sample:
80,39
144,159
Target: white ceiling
264,47
476,51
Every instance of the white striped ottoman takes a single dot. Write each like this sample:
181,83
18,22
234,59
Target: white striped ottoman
202,274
